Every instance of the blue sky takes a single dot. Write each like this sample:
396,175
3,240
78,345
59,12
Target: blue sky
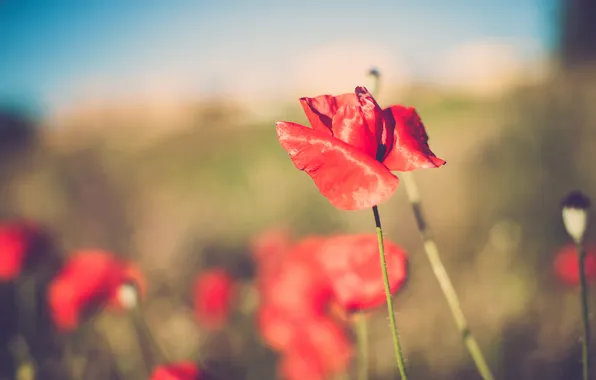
51,50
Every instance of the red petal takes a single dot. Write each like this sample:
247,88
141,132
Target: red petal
297,289
213,291
320,110
185,370
330,343
301,363
373,117
566,264
352,265
15,239
276,327
410,147
349,127
350,179
88,278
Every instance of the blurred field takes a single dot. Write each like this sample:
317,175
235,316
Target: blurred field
193,193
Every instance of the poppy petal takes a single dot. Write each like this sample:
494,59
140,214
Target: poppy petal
348,178
185,370
373,118
349,127
410,148
321,109
351,263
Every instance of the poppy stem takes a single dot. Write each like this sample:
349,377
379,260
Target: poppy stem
396,345
581,255
362,339
144,332
432,252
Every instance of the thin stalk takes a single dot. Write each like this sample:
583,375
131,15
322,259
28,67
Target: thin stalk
362,340
432,252
144,334
581,255
396,345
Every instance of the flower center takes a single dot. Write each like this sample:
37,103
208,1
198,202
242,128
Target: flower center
381,152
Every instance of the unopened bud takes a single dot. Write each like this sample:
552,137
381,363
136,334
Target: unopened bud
575,214
128,296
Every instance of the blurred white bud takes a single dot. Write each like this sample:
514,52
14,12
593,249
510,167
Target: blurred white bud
575,214
128,296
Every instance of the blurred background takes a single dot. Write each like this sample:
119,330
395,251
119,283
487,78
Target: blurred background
147,129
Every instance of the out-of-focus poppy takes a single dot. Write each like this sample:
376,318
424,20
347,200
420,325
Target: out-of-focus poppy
89,279
566,264
213,293
15,243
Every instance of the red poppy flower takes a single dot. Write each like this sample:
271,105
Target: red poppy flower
213,291
15,242
185,370
90,278
351,263
354,145
566,264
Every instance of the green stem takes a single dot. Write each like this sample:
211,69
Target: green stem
362,339
581,254
396,345
432,252
143,331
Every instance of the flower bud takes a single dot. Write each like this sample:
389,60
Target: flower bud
575,214
128,296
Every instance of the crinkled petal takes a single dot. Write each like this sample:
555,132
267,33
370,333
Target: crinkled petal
410,149
349,127
321,109
348,178
374,120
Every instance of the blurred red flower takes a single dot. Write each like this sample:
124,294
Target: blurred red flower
185,370
299,293
15,243
354,145
351,264
90,278
213,292
566,264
